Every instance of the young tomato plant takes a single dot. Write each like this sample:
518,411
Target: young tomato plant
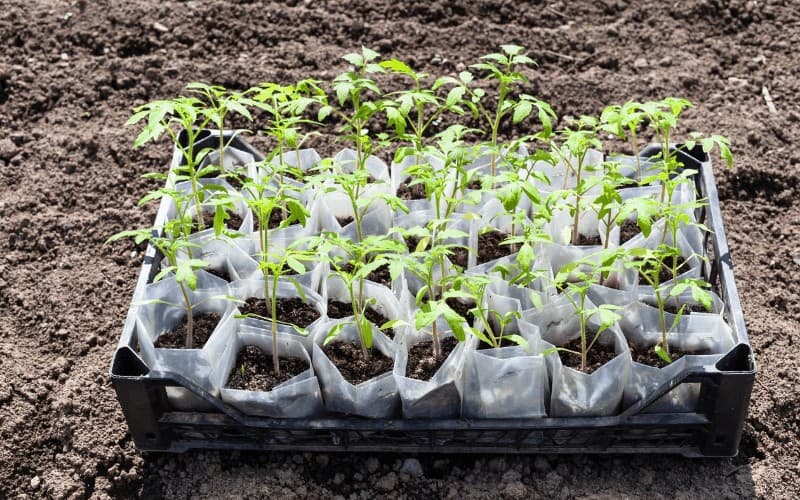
571,149
188,114
413,111
286,106
619,119
274,266
491,324
649,263
353,262
170,241
358,99
429,265
574,280
218,103
505,69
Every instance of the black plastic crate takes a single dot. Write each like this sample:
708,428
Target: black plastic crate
713,430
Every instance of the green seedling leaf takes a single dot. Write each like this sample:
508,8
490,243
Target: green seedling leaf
662,353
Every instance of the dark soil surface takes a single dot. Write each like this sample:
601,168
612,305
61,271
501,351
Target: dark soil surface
343,221
253,370
597,356
352,365
339,310
289,310
380,275
275,219
504,342
422,363
628,230
70,74
589,240
202,329
650,358
490,246
233,222
220,273
407,192
463,309
687,309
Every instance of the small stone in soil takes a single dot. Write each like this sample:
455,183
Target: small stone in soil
350,361
289,310
407,192
422,364
491,247
254,370
628,230
597,356
584,240
202,329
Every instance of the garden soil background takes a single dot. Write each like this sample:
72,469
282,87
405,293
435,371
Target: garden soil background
70,73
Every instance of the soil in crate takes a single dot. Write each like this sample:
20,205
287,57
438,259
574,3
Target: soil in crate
338,310
597,356
380,275
504,342
220,273
422,364
275,218
458,255
254,370
687,308
491,247
627,230
233,222
203,327
350,362
408,192
584,240
650,358
289,310
343,221
463,309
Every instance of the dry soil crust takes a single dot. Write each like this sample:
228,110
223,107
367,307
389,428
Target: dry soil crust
70,72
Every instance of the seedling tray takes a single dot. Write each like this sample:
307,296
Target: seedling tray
713,430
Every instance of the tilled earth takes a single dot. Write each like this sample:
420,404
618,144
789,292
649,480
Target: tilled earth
70,73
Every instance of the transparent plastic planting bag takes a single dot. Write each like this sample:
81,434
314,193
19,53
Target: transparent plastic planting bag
506,382
329,208
691,268
573,392
440,396
160,310
374,398
703,338
254,288
298,397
